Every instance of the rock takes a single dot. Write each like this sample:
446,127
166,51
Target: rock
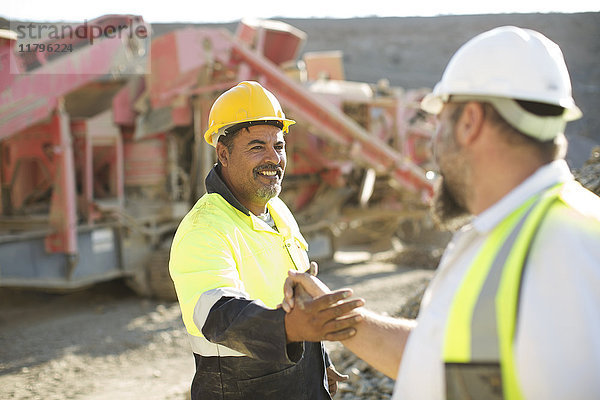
589,174
364,382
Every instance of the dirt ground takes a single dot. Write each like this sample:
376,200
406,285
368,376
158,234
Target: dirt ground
106,343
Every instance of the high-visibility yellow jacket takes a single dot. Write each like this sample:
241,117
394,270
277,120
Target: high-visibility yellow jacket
229,267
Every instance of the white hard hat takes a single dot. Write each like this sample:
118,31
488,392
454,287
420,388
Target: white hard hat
510,63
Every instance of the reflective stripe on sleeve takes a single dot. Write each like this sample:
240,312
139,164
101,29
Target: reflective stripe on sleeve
208,299
203,347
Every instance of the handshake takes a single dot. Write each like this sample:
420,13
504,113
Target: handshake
314,312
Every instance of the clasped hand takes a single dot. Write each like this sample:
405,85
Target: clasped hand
314,312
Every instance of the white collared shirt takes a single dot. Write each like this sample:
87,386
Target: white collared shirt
557,345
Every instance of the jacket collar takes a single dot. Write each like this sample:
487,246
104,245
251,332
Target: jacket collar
214,184
545,177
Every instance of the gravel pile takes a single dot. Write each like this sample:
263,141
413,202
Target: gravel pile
589,174
365,383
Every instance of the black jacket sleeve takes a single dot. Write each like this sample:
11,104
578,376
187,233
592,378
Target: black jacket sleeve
251,328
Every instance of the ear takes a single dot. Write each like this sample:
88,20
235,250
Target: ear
222,154
468,127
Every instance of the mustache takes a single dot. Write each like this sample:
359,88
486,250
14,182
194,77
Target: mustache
269,167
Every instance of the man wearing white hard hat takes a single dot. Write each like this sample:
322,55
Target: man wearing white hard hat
513,311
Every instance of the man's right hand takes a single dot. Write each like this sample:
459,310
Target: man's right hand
327,317
302,285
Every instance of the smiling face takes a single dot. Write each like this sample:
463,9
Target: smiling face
253,169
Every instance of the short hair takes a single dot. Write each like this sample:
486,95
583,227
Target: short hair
227,139
548,150
232,131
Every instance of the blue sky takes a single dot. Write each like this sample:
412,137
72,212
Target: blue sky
226,11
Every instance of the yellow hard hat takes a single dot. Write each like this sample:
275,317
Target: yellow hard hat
246,104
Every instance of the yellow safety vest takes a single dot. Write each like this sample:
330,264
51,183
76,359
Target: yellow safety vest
216,246
480,330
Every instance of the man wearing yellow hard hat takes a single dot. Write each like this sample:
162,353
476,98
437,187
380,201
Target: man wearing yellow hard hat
513,311
230,257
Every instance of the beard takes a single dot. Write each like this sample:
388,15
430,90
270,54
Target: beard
448,213
449,203
268,192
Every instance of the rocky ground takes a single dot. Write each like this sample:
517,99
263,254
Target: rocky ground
589,173
106,343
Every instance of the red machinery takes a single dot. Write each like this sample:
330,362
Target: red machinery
107,186
356,156
59,156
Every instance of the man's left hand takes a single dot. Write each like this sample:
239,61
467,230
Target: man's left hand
333,377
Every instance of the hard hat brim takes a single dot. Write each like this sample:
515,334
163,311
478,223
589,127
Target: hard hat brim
432,103
212,135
